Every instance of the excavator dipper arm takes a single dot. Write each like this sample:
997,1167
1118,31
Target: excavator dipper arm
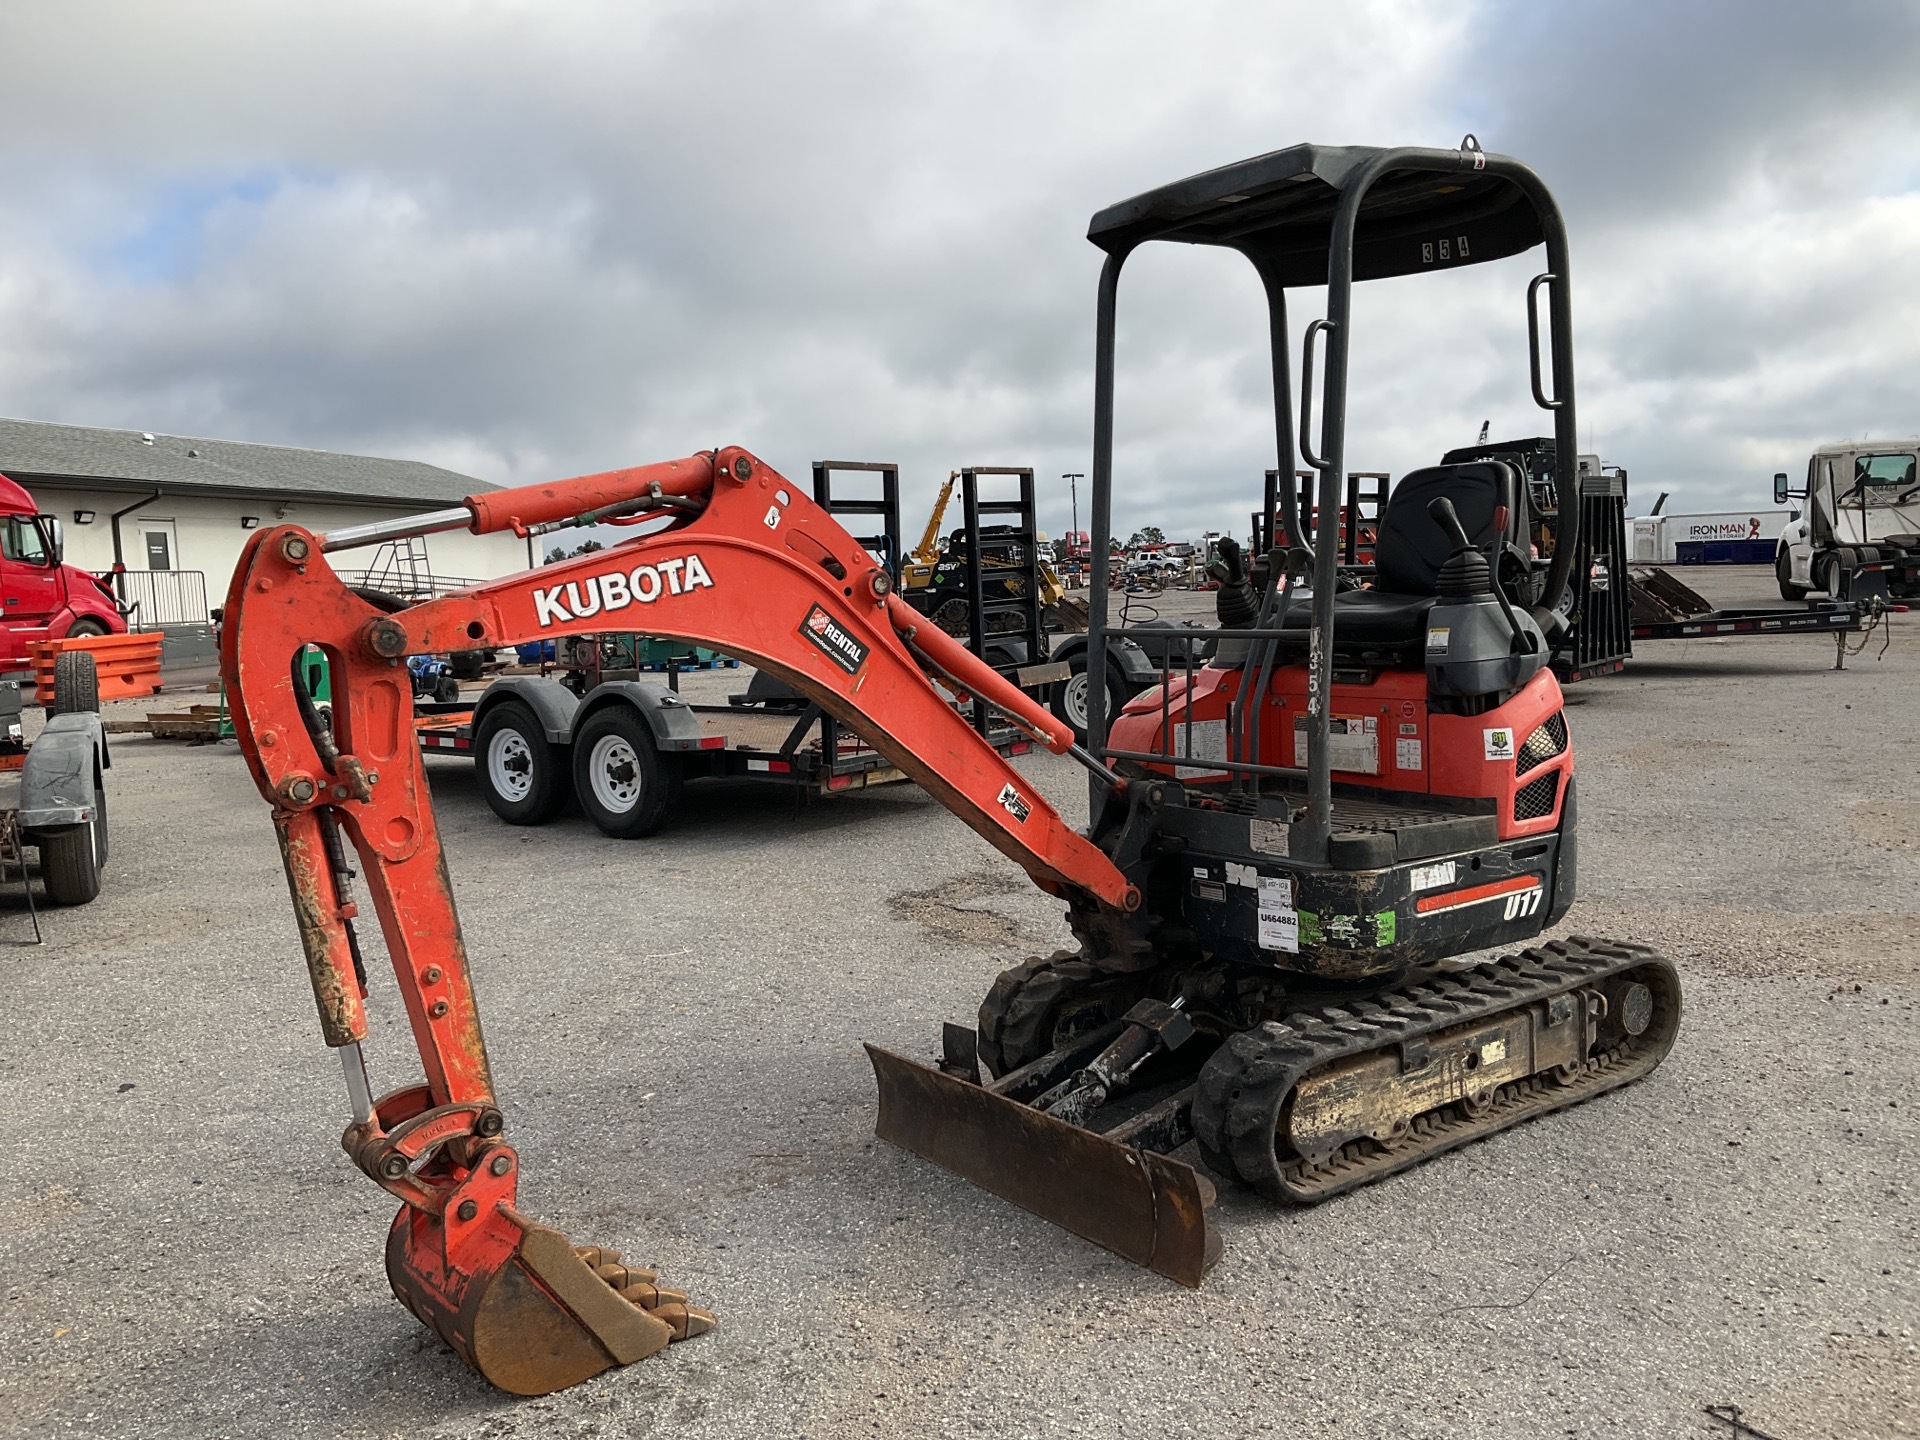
746,563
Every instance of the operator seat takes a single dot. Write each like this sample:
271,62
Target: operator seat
1408,551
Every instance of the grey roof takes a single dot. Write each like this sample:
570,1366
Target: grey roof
180,464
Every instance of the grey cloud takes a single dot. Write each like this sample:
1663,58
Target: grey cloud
1656,106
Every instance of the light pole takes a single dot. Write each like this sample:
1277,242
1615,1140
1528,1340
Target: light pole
1073,480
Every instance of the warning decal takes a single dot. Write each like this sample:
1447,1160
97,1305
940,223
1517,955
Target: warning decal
1279,923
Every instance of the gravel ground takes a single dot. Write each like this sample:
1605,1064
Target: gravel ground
675,1026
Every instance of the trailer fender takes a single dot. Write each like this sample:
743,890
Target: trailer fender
60,776
552,703
675,727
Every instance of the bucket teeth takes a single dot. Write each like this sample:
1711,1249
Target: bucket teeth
621,1276
545,1315
647,1295
687,1320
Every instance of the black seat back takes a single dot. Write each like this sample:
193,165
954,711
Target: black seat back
1412,547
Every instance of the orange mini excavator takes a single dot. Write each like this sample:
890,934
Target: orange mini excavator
1287,842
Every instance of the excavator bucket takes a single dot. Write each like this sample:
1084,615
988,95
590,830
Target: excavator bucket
526,1309
1133,1201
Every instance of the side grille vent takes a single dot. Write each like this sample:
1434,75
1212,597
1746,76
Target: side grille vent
1535,800
1545,743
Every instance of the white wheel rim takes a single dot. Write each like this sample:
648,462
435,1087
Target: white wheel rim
510,765
613,769
1075,700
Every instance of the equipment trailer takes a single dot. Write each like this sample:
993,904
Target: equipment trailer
1259,941
990,589
1666,609
1610,603
622,747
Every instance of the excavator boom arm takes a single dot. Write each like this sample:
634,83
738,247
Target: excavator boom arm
927,552
746,563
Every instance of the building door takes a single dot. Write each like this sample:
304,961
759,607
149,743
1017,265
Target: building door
159,546
159,590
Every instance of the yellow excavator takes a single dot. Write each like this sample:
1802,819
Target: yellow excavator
931,567
916,570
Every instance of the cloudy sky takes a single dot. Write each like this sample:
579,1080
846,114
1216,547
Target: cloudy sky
531,239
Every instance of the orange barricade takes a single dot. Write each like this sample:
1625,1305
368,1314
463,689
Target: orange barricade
129,665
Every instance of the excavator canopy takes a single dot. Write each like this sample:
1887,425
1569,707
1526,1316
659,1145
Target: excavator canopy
1278,210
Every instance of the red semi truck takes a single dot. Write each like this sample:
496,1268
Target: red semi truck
42,597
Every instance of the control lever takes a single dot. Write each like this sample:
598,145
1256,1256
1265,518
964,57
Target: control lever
1525,642
1234,604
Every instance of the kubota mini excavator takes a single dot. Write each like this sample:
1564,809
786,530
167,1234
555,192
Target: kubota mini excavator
1259,943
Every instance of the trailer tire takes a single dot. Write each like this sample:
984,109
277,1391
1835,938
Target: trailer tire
1830,575
620,778
69,865
72,857
1069,699
1783,572
520,773
76,684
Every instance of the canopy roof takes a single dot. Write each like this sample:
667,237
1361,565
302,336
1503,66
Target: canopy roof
1278,210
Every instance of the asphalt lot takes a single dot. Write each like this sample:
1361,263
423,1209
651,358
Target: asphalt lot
675,1028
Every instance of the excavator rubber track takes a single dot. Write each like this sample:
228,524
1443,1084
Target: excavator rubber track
1327,1100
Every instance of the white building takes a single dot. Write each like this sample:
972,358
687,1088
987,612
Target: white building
175,511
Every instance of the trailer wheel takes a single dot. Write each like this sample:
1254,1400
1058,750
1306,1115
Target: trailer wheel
72,857
1830,575
621,779
76,685
1069,699
1783,571
519,772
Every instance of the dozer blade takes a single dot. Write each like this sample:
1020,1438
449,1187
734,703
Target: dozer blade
1135,1202
526,1309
